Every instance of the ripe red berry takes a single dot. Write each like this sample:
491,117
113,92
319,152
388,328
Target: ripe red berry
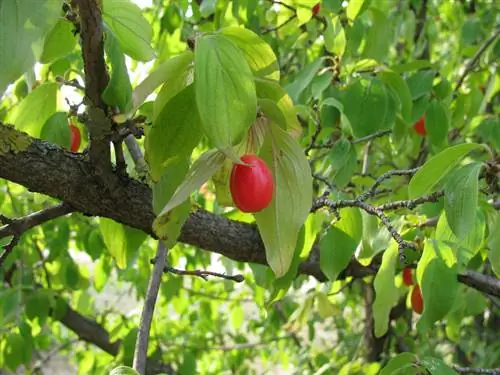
420,126
417,302
75,138
316,9
251,186
407,276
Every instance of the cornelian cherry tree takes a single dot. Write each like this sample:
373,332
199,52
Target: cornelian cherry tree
250,186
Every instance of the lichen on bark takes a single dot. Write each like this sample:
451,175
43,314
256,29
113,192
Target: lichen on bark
12,140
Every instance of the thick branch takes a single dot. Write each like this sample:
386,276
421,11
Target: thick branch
50,170
92,332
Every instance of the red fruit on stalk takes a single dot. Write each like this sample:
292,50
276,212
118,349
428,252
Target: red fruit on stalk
417,302
251,186
407,276
316,9
76,138
420,126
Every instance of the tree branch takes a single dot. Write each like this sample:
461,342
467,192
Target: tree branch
16,227
48,169
472,62
96,80
470,370
141,344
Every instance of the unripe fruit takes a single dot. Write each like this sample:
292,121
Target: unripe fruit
417,302
75,138
420,126
316,9
251,186
407,276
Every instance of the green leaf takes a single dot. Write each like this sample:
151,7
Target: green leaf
30,115
102,271
130,27
60,42
303,79
163,74
378,37
188,365
258,54
225,91
353,9
326,309
386,292
366,104
436,366
122,241
175,132
468,246
237,317
123,370
343,162
420,83
494,242
436,123
22,30
460,199
398,84
38,305
340,242
398,362
13,351
279,224
201,170
286,114
119,90
437,277
56,130
335,41
432,173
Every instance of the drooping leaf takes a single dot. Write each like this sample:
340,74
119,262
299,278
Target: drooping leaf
201,170
30,115
399,85
420,83
366,105
494,242
175,132
436,123
302,80
335,40
379,36
130,27
468,246
59,42
432,173
286,114
56,130
119,90
343,162
225,91
461,199
163,74
354,8
437,277
338,246
279,224
259,55
386,292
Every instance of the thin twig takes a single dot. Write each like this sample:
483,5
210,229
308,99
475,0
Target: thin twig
470,65
267,31
203,274
7,249
313,138
378,134
470,370
141,345
366,158
283,4
396,172
412,203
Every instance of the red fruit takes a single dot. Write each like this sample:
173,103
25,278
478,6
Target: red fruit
316,9
407,276
251,186
417,302
75,138
420,126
